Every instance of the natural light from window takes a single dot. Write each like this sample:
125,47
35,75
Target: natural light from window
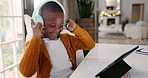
37,2
11,38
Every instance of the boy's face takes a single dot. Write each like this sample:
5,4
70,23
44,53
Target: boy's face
53,24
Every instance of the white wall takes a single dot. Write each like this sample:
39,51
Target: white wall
126,8
102,5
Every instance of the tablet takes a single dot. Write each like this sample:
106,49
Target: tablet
120,59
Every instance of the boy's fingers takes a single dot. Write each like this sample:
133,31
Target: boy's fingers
40,25
32,23
67,20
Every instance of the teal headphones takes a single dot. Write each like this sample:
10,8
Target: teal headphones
38,18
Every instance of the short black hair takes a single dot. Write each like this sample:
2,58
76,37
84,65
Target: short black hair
51,7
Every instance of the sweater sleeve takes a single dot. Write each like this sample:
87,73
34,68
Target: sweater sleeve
29,62
82,40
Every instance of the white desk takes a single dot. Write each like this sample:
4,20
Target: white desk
103,54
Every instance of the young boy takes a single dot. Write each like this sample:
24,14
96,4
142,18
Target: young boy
50,54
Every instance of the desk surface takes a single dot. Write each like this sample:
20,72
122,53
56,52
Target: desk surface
103,54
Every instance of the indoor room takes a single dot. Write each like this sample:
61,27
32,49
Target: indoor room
117,27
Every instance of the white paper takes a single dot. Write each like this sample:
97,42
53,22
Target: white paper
94,66
137,73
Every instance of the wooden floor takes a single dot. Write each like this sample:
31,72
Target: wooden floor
119,38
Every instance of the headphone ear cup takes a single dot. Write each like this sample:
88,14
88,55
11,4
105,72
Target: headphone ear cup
64,23
38,18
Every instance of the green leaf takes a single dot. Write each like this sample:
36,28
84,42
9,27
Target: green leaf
85,8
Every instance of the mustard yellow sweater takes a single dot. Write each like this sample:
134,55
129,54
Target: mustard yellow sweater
36,58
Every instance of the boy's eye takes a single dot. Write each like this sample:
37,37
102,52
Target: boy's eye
53,25
61,25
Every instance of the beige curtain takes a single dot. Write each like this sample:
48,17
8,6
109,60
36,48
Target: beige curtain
69,6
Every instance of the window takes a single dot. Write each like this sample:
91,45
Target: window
11,37
37,2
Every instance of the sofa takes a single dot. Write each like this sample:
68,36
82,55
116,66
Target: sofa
139,30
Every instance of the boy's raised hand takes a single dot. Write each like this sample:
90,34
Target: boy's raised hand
71,25
37,29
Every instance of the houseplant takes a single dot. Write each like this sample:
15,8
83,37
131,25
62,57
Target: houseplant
85,8
86,20
126,21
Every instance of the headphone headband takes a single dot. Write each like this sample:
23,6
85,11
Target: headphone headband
37,18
